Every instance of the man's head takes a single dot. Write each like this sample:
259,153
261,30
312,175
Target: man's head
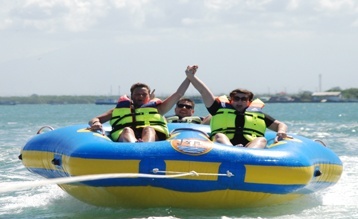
140,94
241,99
184,107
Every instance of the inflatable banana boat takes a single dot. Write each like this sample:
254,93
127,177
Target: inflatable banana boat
185,171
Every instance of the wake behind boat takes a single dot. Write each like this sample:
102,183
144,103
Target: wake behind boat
187,170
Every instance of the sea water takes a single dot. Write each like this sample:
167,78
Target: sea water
336,124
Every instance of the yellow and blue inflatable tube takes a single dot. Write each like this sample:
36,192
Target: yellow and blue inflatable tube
225,176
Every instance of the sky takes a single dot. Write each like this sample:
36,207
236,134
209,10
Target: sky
102,47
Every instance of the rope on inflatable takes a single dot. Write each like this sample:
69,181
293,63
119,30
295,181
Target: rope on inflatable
320,141
16,186
228,173
44,127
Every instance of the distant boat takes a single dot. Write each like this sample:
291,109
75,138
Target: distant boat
7,103
197,100
106,102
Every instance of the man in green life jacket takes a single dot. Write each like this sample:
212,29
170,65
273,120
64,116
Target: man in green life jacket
238,121
139,118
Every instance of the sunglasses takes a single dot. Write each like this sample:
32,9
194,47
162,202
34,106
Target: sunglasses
235,98
184,105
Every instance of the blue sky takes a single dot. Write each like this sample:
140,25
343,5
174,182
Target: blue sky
101,47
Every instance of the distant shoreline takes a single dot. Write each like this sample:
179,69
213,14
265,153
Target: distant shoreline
332,96
100,100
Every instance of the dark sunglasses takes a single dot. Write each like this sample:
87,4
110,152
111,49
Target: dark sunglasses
184,105
235,98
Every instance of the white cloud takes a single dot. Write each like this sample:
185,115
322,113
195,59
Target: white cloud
221,5
56,15
355,23
124,15
293,4
4,24
337,5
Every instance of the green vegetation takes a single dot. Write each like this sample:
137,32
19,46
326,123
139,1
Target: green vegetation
351,93
37,99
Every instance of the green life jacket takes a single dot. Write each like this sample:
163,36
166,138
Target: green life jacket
254,121
187,119
124,115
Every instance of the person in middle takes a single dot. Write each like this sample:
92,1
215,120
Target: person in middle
184,112
240,121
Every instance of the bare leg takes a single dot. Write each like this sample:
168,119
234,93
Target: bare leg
259,142
149,134
223,139
127,135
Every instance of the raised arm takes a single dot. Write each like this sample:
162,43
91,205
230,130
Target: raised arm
170,101
206,94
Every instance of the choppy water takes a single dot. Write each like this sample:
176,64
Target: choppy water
334,123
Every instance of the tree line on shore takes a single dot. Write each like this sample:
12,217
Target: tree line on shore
52,99
305,96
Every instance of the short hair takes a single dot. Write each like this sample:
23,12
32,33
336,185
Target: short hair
242,91
139,85
186,100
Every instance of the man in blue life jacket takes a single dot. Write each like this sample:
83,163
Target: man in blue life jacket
184,113
238,121
140,117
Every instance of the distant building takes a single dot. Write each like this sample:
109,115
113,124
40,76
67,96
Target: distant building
326,97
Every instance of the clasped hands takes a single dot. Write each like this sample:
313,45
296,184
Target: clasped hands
191,69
